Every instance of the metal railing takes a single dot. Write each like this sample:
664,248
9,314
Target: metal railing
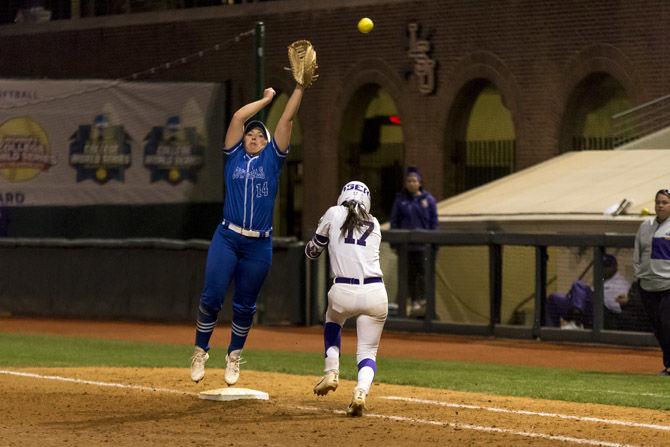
642,120
495,243
482,161
592,143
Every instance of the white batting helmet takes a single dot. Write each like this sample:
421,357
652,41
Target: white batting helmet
357,191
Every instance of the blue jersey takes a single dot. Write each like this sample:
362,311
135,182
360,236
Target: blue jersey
251,185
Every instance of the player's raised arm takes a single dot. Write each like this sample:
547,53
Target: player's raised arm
285,123
302,58
236,126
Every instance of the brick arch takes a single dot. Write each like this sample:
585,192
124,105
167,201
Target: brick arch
483,66
601,58
376,73
486,66
605,59
281,85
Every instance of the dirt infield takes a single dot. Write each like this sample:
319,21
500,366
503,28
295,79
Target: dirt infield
135,407
39,411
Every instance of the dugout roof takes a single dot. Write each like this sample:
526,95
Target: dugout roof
574,192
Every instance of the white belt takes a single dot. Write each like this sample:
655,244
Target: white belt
245,232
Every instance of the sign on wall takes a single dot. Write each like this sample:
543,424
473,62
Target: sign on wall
423,66
108,142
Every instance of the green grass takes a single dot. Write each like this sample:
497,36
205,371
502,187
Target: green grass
633,390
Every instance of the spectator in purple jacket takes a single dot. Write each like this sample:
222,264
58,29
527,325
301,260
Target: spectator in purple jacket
415,209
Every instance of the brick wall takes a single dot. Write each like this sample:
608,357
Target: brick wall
535,52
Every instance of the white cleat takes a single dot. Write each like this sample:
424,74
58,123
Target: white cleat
327,383
200,357
357,404
232,374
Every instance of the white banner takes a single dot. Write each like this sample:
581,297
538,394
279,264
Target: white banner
107,142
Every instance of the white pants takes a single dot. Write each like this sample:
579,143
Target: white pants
367,302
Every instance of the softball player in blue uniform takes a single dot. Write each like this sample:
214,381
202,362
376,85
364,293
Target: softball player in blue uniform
242,244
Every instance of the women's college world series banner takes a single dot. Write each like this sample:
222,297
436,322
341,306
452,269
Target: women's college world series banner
107,142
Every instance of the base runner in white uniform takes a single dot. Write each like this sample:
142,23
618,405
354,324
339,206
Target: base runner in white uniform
352,236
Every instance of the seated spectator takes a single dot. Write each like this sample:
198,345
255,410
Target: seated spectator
615,286
568,311
632,315
574,310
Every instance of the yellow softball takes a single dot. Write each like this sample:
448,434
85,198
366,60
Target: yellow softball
365,25
101,173
174,175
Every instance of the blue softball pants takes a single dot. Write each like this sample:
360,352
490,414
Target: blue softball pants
247,260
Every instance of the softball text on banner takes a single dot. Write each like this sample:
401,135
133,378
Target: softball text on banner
71,143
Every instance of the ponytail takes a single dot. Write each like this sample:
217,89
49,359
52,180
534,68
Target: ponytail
355,218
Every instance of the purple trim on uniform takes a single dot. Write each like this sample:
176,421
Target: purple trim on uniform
368,362
312,251
331,336
355,281
660,248
320,240
343,280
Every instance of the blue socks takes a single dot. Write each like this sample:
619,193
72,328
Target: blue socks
205,326
239,331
